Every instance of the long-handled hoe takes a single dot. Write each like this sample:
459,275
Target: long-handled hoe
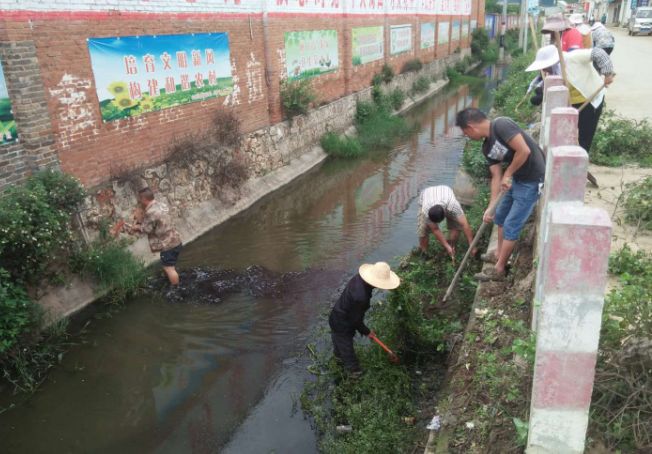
393,357
491,209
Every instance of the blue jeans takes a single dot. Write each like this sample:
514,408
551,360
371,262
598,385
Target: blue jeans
515,208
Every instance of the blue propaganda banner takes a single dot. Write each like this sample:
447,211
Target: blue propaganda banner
139,74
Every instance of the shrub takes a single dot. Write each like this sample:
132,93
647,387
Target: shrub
387,73
421,85
35,224
620,141
17,313
297,97
381,130
638,204
377,80
474,162
363,111
341,146
413,65
227,128
397,98
479,42
620,406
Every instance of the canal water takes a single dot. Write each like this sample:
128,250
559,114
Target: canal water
225,375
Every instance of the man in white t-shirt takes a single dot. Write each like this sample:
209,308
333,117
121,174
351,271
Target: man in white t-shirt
437,203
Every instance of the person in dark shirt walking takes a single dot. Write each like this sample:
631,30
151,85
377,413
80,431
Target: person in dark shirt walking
347,315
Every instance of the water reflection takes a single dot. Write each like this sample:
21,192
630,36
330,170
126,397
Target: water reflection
180,377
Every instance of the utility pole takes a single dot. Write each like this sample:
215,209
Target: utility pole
501,51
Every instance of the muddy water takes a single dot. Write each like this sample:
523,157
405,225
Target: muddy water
200,375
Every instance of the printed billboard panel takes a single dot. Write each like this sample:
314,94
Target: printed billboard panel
368,44
455,31
443,32
310,53
427,35
8,131
400,39
135,75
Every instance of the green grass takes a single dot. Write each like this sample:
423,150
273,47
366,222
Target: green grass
620,141
341,146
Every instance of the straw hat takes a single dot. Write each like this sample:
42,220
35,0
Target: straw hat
555,23
379,275
546,57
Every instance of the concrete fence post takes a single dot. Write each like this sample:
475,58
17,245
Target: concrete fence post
548,82
565,177
573,277
556,97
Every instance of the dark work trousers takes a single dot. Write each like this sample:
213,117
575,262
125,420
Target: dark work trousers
343,350
587,123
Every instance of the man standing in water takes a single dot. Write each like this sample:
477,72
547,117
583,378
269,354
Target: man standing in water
521,181
153,218
347,315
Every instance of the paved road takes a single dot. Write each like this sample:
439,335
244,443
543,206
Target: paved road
631,93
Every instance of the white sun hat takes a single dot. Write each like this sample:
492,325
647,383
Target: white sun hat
584,29
379,275
576,18
546,57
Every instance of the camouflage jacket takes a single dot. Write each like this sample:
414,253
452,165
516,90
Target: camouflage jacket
157,224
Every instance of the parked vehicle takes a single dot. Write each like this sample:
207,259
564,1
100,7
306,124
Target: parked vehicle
641,21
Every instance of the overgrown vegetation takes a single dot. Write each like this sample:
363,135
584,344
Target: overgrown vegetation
481,48
638,204
387,73
377,128
383,407
621,141
37,244
421,85
621,414
297,97
512,90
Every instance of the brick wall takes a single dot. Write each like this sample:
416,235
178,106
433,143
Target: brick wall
47,65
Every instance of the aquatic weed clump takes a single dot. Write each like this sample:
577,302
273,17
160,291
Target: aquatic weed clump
390,404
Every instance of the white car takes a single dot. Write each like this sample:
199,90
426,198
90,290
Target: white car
641,21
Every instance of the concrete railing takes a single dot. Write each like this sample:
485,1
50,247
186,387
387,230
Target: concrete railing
573,252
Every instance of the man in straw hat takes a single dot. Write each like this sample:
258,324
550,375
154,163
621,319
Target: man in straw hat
347,315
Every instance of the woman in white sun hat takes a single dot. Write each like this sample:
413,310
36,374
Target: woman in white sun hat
347,315
583,82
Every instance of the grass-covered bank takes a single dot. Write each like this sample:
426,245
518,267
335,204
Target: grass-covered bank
39,248
389,406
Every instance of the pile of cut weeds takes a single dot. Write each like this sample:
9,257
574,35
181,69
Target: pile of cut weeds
485,406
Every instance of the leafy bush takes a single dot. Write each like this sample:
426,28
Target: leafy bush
35,224
382,130
297,97
474,162
421,85
620,141
387,73
341,146
397,98
113,267
479,42
364,110
638,204
413,65
17,313
377,80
